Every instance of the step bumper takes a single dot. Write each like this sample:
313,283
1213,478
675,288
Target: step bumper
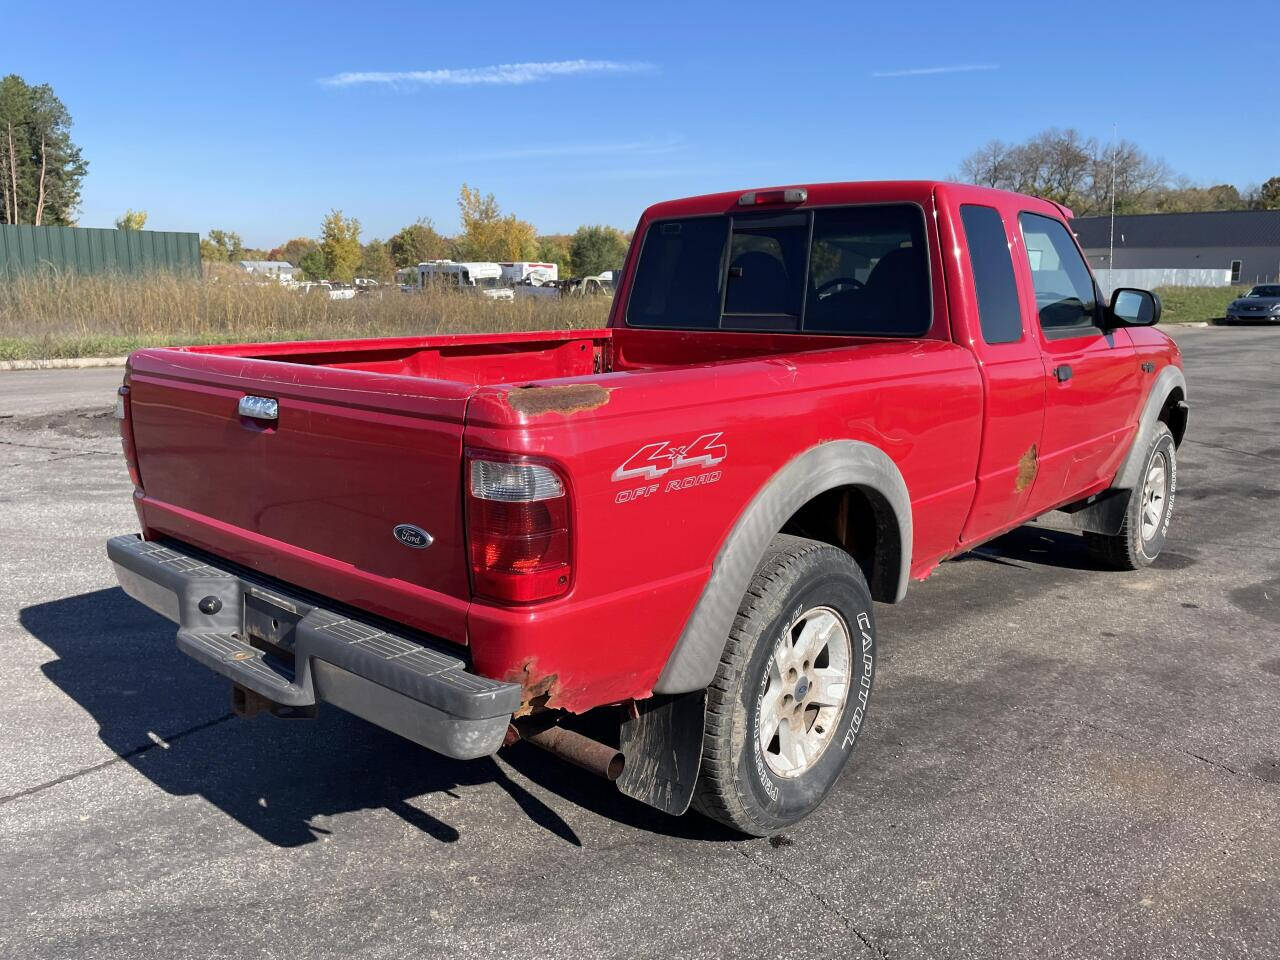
249,631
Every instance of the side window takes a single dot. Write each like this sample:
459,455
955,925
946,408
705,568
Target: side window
998,309
1065,297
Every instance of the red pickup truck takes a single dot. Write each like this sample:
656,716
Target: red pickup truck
805,398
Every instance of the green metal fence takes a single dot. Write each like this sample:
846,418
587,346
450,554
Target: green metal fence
24,249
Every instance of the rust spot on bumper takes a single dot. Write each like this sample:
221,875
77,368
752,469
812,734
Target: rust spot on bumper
1028,464
540,690
567,400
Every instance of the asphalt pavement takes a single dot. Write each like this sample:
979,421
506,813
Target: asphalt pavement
1060,761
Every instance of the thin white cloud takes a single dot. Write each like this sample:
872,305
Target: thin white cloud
648,173
503,74
933,71
646,147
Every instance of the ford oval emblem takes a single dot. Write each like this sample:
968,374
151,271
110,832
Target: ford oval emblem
412,536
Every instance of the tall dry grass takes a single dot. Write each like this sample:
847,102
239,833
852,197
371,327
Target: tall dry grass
67,315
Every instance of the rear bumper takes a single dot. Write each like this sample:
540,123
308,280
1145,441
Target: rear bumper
412,689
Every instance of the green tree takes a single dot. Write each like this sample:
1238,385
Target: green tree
417,243
41,168
375,261
1269,195
222,246
312,264
488,235
132,220
597,249
554,248
340,244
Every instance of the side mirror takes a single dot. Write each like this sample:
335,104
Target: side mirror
1131,307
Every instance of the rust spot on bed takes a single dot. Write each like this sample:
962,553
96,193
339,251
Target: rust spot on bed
1028,464
539,689
567,400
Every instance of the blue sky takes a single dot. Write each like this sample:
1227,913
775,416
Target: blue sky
261,117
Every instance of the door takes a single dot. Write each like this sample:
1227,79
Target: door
1091,382
1004,340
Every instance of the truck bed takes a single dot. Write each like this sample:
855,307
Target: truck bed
371,434
487,359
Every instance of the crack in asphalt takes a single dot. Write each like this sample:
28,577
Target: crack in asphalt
61,456
1092,725
136,751
1243,453
36,446
831,908
85,453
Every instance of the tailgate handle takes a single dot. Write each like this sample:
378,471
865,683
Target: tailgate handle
259,408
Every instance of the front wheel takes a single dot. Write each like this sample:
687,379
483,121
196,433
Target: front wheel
791,692
1146,519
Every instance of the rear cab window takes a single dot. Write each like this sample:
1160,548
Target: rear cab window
1066,298
858,270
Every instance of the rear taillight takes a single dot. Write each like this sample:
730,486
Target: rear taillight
124,415
517,530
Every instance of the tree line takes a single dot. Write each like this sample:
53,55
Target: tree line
486,234
1079,172
42,170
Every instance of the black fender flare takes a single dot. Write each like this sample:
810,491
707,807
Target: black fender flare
827,466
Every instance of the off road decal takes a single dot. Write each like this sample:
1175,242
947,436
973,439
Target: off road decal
654,460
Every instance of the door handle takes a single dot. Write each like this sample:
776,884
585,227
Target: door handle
1063,372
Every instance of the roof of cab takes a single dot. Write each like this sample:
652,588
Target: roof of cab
819,194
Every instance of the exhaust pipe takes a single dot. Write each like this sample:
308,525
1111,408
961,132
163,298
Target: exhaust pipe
591,755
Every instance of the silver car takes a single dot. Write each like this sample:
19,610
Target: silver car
1260,303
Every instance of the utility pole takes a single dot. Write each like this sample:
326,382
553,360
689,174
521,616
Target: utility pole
1111,254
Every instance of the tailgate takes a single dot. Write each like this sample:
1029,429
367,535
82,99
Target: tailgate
314,497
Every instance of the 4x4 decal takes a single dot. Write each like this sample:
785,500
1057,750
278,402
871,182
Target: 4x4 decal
655,459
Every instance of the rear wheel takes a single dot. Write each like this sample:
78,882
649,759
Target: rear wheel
791,691
1146,520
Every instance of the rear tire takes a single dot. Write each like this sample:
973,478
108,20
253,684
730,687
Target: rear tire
1146,519
791,691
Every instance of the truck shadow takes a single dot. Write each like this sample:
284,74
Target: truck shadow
1029,545
169,719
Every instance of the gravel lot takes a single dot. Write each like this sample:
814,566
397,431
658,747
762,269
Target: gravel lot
1060,761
